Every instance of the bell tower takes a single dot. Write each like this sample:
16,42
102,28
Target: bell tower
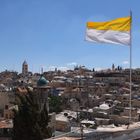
24,68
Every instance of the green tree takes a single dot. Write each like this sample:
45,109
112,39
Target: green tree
31,119
55,104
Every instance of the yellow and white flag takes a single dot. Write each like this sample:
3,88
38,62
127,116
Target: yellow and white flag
116,31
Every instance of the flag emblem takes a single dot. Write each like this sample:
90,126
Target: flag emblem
115,31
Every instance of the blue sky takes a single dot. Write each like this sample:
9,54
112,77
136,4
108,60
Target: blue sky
50,33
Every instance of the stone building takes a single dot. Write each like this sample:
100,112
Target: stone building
42,90
24,68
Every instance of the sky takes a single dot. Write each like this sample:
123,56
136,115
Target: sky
51,33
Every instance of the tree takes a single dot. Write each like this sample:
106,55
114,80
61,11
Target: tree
31,119
55,104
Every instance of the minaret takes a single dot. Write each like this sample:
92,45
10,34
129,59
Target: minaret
42,70
24,68
42,90
113,67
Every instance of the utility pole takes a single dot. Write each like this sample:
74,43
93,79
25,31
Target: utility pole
81,129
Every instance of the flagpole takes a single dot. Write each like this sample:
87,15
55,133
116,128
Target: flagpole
130,104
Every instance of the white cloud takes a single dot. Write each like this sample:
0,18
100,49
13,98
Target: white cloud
98,69
63,68
51,68
72,64
125,62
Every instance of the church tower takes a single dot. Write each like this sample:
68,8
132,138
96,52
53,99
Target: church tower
25,68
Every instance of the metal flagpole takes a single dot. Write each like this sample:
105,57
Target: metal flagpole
130,113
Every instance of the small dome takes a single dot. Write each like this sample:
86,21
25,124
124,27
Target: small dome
42,81
104,107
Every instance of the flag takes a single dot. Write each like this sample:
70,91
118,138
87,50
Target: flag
115,31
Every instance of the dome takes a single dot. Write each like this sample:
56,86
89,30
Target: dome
104,106
42,81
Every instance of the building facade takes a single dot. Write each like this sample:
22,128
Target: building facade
24,68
